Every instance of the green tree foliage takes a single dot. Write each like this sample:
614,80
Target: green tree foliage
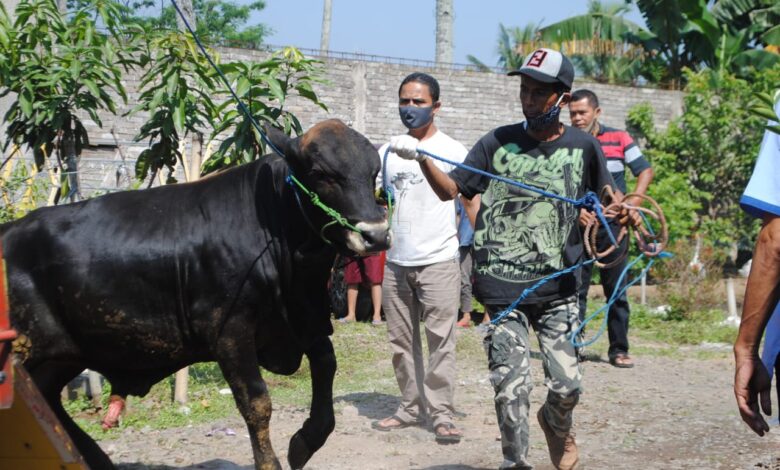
64,66
220,22
713,147
264,88
765,106
679,200
597,42
689,34
513,45
176,91
60,67
761,18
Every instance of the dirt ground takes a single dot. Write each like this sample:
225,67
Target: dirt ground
669,412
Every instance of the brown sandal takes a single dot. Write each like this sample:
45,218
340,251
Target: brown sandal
389,427
622,361
447,433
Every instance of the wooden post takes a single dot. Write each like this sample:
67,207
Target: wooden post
643,290
95,388
731,298
193,174
180,385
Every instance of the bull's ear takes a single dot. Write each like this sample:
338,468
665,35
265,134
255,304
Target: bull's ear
279,139
290,148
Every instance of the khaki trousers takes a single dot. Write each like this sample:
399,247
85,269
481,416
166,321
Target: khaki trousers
429,293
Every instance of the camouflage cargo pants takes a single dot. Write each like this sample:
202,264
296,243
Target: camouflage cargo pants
508,354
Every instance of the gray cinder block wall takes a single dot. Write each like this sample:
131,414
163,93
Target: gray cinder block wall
364,95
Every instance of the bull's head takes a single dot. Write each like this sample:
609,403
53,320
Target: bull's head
340,166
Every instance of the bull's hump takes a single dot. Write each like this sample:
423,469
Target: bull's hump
333,127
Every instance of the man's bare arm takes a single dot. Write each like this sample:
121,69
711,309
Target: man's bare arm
751,381
442,184
643,180
472,208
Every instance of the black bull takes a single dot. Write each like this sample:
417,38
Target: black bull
138,284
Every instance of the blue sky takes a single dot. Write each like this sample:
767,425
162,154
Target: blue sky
406,28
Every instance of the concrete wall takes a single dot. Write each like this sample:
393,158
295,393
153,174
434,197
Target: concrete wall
364,95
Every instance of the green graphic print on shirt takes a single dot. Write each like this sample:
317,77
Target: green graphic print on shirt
524,232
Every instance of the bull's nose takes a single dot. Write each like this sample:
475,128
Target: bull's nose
376,237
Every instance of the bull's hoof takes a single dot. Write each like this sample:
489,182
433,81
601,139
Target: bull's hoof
298,453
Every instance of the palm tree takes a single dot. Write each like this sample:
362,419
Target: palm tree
687,34
513,45
327,8
444,25
597,42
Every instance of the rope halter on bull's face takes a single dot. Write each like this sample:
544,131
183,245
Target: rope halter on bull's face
336,217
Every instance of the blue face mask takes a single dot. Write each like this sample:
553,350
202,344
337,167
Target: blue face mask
544,120
413,117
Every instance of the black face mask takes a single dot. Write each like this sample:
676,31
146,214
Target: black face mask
544,120
414,117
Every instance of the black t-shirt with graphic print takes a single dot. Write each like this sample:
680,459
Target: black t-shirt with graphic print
521,236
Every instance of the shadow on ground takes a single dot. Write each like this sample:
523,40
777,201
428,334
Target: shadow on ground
216,464
371,405
454,467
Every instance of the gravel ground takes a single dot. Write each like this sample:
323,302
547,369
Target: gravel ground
669,412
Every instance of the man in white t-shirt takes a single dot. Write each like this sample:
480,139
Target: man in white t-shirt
422,272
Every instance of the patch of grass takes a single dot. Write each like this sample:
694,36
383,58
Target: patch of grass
364,366
696,327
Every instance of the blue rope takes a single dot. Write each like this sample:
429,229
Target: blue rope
613,298
241,106
589,201
291,180
537,285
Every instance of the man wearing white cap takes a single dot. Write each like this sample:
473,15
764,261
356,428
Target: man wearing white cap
522,237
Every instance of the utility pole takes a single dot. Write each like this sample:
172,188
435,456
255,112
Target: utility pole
189,13
325,37
444,26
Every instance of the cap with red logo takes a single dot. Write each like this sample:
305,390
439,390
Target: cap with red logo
548,66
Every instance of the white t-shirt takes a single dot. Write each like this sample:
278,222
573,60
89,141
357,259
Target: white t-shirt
424,228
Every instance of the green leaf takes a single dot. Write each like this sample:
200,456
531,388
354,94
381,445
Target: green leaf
764,113
772,36
92,87
242,86
276,89
25,102
179,116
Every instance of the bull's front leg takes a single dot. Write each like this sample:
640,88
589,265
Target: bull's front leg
235,355
321,421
